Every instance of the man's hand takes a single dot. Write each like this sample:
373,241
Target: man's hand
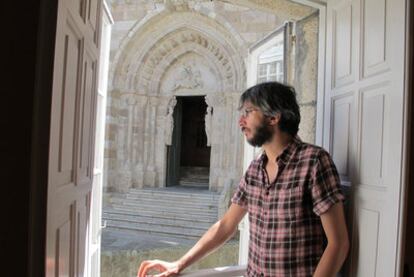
219,233
164,268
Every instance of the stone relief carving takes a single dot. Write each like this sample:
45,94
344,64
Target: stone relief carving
188,78
209,119
208,122
178,5
169,121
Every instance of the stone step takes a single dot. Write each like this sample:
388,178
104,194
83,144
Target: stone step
195,179
165,213
166,199
193,184
168,204
172,211
159,221
195,170
165,210
182,232
178,193
161,216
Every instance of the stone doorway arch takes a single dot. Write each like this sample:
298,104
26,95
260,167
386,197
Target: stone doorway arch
196,57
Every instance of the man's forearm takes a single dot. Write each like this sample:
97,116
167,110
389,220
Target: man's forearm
212,239
331,260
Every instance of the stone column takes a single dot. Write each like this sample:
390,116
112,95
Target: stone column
217,145
131,102
165,124
169,121
150,174
208,119
124,174
138,141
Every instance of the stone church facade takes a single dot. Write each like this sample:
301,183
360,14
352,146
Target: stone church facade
164,52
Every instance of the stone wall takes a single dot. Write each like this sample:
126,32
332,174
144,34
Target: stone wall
306,74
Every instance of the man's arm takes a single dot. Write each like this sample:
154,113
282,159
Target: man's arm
219,233
333,222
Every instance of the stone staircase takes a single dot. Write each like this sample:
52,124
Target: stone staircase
177,211
194,177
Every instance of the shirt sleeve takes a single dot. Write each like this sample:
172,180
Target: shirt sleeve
326,185
240,195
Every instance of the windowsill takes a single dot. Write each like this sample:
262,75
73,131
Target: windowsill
226,271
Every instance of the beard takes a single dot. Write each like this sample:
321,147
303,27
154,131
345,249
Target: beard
262,134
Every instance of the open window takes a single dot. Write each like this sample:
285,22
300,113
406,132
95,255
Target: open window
268,61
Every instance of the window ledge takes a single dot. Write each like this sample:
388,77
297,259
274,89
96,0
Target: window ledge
225,271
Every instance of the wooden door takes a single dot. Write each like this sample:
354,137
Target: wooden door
71,153
364,124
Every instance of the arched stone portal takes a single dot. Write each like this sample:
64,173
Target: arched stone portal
171,49
192,57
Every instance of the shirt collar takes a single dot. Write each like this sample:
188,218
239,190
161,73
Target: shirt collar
286,154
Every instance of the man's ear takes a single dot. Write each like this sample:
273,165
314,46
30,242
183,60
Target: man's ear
274,119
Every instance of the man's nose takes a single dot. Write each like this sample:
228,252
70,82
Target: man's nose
242,121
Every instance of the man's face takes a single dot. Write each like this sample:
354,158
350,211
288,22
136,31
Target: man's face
254,125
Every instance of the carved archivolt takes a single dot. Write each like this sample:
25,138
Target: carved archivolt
145,58
163,55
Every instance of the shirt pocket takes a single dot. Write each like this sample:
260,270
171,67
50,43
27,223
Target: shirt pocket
289,204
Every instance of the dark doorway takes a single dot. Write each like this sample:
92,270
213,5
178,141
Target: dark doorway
189,155
194,151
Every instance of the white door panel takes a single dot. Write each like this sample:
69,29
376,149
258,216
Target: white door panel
364,123
71,150
343,120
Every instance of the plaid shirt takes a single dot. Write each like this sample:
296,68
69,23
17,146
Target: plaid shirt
286,234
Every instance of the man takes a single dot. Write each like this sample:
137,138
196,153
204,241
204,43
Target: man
291,193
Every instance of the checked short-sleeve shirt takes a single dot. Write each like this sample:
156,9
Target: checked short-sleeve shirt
286,234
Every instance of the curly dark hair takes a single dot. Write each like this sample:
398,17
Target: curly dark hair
275,98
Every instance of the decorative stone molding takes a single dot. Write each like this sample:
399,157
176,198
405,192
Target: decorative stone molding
162,21
169,121
208,122
176,5
161,56
139,46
